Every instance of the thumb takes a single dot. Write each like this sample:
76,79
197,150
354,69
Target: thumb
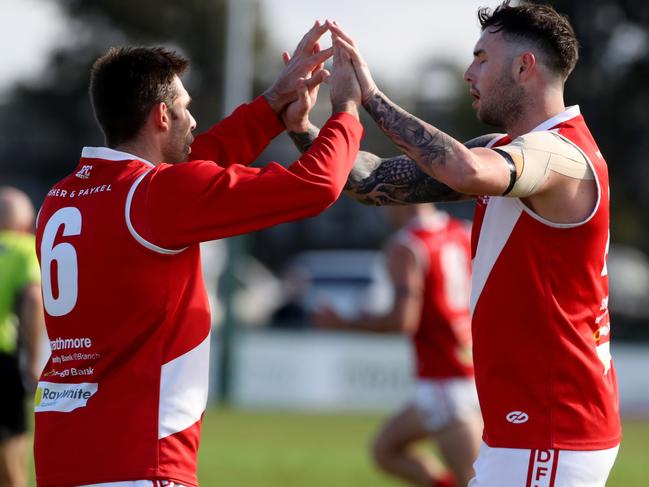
286,57
320,76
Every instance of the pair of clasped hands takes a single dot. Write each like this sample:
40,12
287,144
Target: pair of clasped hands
295,91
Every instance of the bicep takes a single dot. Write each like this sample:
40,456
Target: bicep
490,175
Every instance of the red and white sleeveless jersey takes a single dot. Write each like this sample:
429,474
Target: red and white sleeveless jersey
124,391
540,319
442,342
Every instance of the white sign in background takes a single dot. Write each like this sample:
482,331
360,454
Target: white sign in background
358,372
321,371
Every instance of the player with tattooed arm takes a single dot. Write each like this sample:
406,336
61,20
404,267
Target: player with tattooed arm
539,300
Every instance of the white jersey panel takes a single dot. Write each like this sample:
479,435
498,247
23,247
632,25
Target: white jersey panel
183,390
499,221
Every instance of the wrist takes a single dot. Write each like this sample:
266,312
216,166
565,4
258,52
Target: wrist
347,106
274,100
369,94
302,126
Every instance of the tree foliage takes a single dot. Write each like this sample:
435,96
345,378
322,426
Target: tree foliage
46,122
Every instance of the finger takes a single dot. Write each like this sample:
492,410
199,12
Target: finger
335,29
286,57
336,59
315,80
317,49
352,53
320,57
311,37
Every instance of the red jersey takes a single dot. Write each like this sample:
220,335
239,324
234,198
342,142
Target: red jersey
124,390
540,321
442,342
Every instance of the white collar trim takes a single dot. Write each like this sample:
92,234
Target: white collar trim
571,112
108,154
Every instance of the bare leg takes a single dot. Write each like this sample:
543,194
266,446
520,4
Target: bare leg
393,453
12,461
459,444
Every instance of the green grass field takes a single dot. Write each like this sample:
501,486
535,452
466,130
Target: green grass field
275,449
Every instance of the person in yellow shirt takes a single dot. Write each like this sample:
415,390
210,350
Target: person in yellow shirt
21,323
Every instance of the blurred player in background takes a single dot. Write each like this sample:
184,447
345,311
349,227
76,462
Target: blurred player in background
429,262
121,399
539,298
21,325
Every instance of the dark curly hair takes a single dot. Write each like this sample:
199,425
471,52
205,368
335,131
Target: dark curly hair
127,82
540,25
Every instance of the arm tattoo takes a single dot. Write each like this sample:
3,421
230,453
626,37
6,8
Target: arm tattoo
304,140
394,181
399,180
422,142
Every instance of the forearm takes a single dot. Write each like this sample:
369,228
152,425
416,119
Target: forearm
240,137
436,153
394,181
304,140
31,323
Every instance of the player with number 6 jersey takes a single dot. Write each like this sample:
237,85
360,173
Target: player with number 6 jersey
121,399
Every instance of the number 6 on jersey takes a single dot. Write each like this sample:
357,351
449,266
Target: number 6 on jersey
66,262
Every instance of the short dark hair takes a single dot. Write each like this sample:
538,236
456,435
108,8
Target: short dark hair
540,25
127,82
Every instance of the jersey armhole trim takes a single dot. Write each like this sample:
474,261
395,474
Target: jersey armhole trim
139,239
550,223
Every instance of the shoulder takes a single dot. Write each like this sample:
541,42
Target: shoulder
548,142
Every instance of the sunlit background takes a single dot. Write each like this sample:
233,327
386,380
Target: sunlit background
268,356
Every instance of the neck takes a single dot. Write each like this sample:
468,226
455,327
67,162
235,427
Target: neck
141,148
537,111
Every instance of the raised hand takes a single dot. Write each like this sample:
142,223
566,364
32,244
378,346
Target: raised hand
296,115
346,43
345,90
303,64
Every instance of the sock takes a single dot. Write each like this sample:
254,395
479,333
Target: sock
446,480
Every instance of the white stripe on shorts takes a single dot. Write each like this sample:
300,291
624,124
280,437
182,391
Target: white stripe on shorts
518,467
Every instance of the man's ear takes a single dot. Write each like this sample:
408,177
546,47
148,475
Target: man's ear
524,66
160,116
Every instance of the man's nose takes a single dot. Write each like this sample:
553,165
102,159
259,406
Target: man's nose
468,76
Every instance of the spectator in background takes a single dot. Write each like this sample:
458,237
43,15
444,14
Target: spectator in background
21,324
429,264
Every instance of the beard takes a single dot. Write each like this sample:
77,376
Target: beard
504,105
177,148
